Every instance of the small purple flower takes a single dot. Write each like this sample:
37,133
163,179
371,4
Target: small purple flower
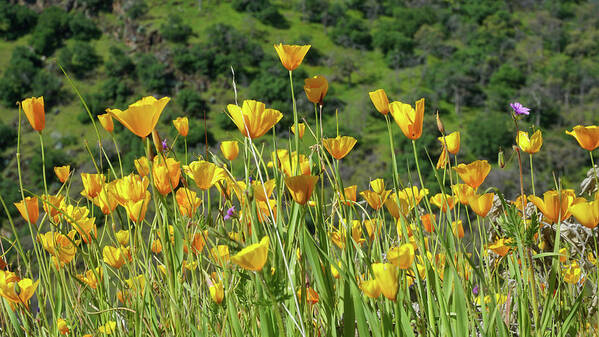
519,109
230,213
475,290
164,144
251,179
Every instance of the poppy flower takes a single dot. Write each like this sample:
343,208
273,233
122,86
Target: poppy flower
92,184
301,128
481,204
555,205
380,100
587,136
253,120
401,256
34,110
29,209
451,142
291,56
187,201
301,187
182,126
253,257
408,118
387,276
230,149
500,247
474,173
316,88
142,116
62,172
106,121
371,288
339,146
205,174
530,145
587,213
166,174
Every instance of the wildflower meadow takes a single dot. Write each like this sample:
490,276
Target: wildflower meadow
266,238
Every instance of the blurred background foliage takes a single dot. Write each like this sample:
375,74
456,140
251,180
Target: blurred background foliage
469,59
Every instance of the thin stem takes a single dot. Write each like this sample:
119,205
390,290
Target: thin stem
532,176
296,170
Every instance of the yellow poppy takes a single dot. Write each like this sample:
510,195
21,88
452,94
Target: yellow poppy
136,209
262,192
142,116
397,206
29,209
187,201
106,121
182,126
252,119
375,200
481,204
62,172
51,205
380,100
230,149
166,174
401,256
312,297
387,276
443,201
378,186
253,257
530,145
106,199
62,326
291,56
16,291
59,245
92,184
115,256
555,205
412,194
339,146
205,174
573,273
349,195
301,187
131,188
474,173
451,142
34,110
587,136
90,278
443,159
217,291
428,222
316,88
122,237
587,213
198,241
458,229
500,247
463,191
408,118
301,128
108,328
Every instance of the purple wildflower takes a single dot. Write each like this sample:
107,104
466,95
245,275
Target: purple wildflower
475,290
164,144
251,179
230,213
519,109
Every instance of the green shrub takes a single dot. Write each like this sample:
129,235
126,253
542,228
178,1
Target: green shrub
175,30
15,20
352,33
49,85
153,74
191,103
136,9
19,75
119,64
51,29
83,28
80,58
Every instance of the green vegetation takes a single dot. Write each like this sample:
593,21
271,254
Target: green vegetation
469,59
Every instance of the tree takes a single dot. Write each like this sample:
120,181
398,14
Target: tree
16,82
119,64
352,33
153,74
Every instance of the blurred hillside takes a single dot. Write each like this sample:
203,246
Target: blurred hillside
469,59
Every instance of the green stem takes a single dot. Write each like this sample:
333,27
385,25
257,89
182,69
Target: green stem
532,175
594,171
295,120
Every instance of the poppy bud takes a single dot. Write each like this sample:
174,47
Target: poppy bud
500,159
440,125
